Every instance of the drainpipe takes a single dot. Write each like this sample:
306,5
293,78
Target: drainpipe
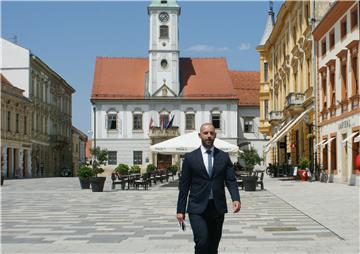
315,140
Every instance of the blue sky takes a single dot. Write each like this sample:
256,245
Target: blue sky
69,35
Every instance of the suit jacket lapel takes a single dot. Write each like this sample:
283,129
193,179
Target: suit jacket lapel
201,162
216,161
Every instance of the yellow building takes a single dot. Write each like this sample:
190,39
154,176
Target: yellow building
287,97
15,131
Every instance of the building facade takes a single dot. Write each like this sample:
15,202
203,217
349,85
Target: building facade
247,85
16,112
79,140
51,97
337,37
287,95
138,102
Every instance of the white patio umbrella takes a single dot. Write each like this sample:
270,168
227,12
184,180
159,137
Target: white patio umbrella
187,143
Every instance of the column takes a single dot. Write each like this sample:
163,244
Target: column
5,157
21,162
29,165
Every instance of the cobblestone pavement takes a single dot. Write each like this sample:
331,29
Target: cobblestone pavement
53,215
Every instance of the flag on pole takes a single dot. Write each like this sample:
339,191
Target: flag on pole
170,123
162,122
151,123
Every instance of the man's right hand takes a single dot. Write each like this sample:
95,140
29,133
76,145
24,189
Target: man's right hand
180,217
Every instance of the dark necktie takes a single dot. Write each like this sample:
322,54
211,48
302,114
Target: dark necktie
209,162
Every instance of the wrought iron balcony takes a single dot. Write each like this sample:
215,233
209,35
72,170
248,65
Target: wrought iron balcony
157,132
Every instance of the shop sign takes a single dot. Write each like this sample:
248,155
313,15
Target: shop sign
344,124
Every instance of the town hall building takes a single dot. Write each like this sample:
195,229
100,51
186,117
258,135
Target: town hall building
138,102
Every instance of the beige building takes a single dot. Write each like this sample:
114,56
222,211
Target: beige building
79,140
15,131
337,37
287,96
51,97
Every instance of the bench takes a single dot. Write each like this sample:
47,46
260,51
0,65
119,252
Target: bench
260,180
143,181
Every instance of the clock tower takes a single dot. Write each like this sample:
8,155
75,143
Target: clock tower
163,79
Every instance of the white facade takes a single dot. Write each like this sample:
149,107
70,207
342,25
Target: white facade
249,134
124,140
15,65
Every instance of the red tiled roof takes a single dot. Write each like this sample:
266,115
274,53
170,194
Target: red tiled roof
247,85
124,78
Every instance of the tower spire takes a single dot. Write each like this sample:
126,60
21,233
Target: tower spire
269,24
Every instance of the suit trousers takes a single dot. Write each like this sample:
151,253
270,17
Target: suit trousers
207,229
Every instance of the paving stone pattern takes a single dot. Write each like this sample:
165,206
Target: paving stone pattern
53,215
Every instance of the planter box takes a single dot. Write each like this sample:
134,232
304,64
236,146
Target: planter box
84,182
250,183
97,183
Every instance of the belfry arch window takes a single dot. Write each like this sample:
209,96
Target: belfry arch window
164,32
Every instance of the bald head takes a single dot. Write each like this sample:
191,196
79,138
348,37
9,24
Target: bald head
207,135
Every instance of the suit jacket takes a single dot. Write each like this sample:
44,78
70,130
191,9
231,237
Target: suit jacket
196,180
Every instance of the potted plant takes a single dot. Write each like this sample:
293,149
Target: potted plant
135,169
250,158
84,173
150,168
122,169
173,169
100,157
303,166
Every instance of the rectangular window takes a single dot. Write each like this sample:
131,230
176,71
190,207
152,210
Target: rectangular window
332,39
137,122
111,122
8,120
343,28
164,32
248,124
215,120
354,75
112,158
354,18
324,93
266,109
137,157
25,125
332,88
17,123
343,78
323,46
265,71
190,121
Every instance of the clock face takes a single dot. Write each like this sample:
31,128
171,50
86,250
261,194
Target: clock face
164,17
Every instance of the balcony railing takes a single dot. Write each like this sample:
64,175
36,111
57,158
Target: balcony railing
164,133
294,99
275,116
355,100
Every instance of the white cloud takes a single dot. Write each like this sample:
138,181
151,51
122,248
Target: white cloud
244,46
206,48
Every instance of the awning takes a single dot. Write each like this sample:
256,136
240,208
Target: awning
327,142
320,143
357,139
287,127
267,147
349,138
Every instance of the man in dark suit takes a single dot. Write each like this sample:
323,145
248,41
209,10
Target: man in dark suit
205,172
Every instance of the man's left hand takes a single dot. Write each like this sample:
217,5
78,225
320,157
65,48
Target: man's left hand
236,206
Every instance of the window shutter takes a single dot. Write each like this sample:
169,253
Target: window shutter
106,122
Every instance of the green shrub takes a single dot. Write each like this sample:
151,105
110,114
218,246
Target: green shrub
122,169
250,158
304,163
150,168
174,169
84,171
100,157
135,169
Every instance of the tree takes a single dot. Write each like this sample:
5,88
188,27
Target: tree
250,158
100,157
